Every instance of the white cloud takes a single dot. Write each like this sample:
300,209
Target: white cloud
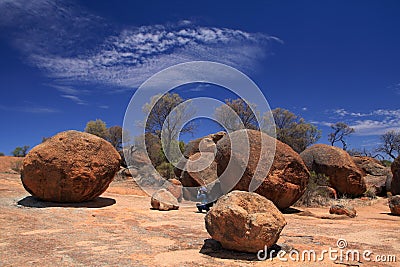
76,99
376,122
374,127
342,112
67,89
71,45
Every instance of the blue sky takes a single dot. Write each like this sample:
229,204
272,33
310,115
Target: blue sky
64,63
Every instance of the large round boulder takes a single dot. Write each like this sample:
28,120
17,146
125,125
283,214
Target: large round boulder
244,221
377,174
201,169
70,167
344,175
284,183
203,144
395,185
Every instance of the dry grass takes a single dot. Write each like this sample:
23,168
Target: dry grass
316,195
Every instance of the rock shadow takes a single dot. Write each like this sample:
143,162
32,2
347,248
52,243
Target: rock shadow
390,214
99,202
214,249
291,210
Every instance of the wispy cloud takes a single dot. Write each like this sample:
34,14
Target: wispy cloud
67,45
29,109
395,88
376,122
75,99
342,112
67,89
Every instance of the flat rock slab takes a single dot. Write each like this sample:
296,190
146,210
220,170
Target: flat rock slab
129,233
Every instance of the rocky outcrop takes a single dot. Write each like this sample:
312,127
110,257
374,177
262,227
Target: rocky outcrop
395,185
244,221
200,170
343,210
394,205
70,167
203,144
164,200
344,175
284,183
376,174
175,188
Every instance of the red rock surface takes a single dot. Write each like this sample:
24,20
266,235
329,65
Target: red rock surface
377,175
70,167
284,183
164,200
174,186
343,210
245,221
395,185
344,175
129,233
394,205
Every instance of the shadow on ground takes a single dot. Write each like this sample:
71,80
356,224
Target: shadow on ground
100,202
214,249
291,210
390,214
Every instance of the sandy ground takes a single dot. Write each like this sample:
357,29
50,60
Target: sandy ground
120,229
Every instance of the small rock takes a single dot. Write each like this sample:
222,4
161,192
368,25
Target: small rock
343,210
394,205
244,221
164,200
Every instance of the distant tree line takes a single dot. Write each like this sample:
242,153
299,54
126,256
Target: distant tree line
167,116
112,134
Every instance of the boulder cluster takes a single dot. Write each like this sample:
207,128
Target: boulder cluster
282,178
256,175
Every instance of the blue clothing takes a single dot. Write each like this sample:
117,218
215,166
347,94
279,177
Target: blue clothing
202,197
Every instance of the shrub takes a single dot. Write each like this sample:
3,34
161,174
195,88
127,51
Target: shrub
387,163
20,151
316,193
371,192
17,166
2,154
166,170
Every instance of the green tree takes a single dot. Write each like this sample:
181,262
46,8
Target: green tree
2,154
97,127
20,151
390,144
340,131
294,130
237,114
166,118
115,136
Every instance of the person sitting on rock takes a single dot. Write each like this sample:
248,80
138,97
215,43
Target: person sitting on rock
203,197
